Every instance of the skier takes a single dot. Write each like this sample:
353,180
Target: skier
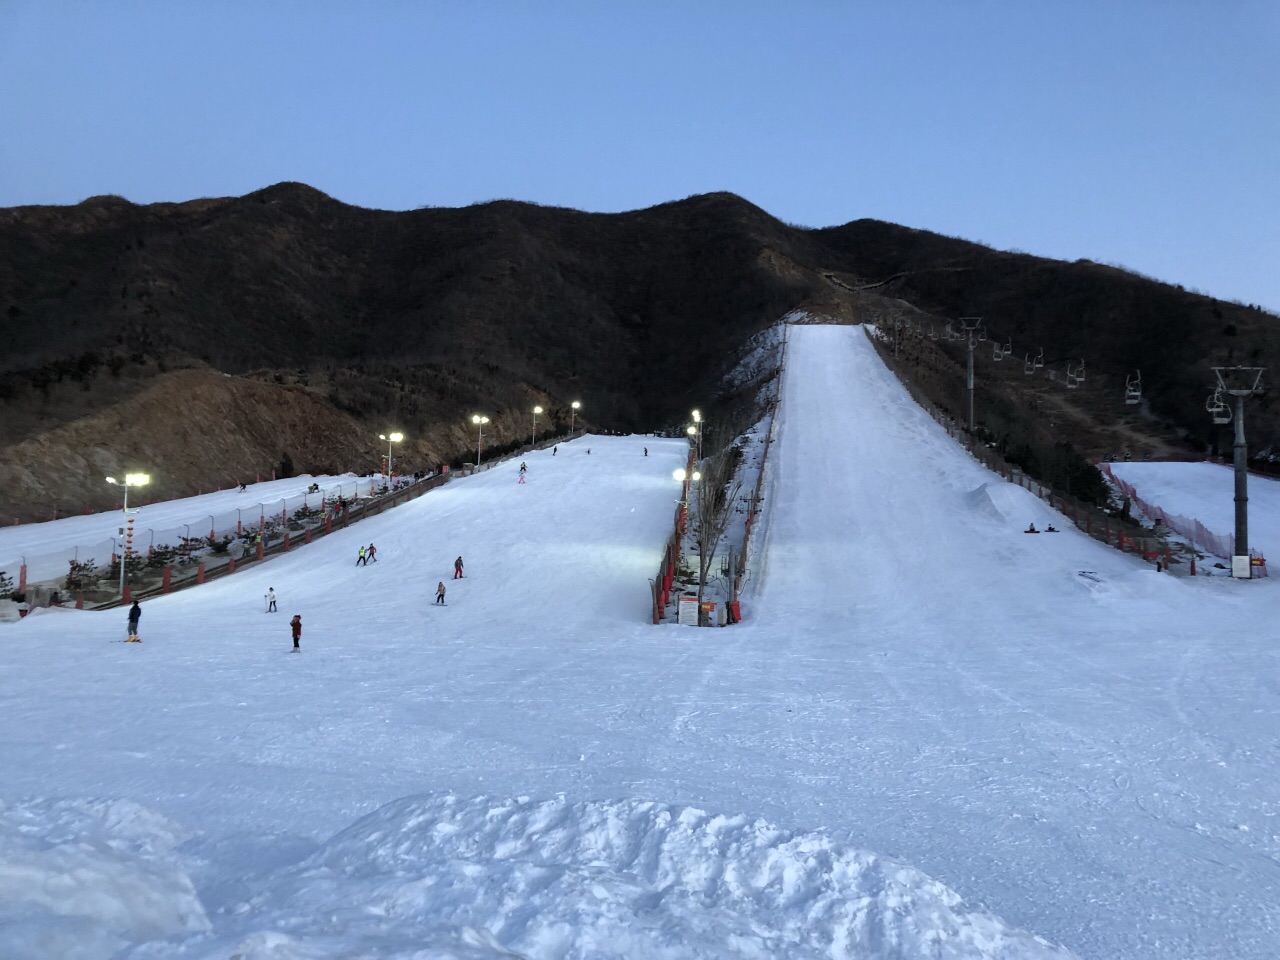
588,451
457,569
135,614
440,592
362,560
646,451
521,480
244,487
296,624
372,555
523,466
271,599
553,450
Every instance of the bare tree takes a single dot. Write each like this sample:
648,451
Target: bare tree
715,495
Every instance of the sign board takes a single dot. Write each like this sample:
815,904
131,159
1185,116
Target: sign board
1240,568
687,611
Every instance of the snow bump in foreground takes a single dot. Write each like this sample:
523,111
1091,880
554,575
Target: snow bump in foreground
80,879
448,877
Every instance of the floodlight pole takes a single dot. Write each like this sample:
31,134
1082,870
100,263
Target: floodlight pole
1244,384
122,553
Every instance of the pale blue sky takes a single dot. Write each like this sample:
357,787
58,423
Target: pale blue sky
1140,133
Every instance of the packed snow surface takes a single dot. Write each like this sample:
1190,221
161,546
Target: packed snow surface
933,734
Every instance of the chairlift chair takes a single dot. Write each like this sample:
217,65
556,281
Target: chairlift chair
1040,359
997,353
1080,373
1218,408
1133,389
1008,348
1028,365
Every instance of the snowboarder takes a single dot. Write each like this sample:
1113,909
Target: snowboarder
440,592
371,555
135,614
553,450
296,624
457,569
271,599
588,451
1051,529
362,560
244,487
1031,529
646,451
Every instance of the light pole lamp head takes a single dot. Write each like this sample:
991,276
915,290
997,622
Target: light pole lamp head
477,419
392,437
692,431
697,417
537,410
576,405
678,474
131,480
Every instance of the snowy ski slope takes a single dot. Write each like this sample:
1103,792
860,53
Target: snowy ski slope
1046,731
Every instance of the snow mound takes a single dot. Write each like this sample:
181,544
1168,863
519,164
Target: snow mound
80,879
1007,502
448,877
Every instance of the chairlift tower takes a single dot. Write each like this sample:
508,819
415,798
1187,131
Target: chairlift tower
1241,383
973,329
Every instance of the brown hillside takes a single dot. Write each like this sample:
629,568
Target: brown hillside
415,320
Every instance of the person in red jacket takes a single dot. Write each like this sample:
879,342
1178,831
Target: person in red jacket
457,569
296,624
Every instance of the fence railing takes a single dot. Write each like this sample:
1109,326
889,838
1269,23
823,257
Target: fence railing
1218,544
757,495
665,580
167,570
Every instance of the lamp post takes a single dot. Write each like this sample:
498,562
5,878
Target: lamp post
573,412
390,438
479,421
533,435
697,421
130,480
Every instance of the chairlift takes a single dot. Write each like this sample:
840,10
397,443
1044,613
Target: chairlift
1008,348
933,332
1218,408
997,352
1080,373
1040,359
982,334
1133,388
1028,365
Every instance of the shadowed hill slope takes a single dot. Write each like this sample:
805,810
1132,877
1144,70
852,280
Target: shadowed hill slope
417,319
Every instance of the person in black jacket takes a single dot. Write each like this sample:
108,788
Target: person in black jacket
135,614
